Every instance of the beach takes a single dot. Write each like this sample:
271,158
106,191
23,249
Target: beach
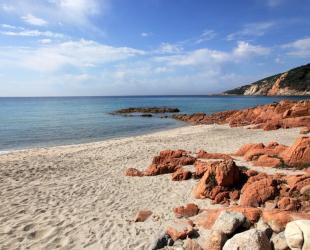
77,197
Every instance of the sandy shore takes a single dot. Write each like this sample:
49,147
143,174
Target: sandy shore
76,197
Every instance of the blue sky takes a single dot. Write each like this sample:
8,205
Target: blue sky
147,47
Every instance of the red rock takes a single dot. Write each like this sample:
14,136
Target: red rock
188,211
221,197
174,158
181,175
296,183
180,230
201,167
219,174
277,219
287,203
133,172
154,169
298,155
254,193
207,218
142,216
234,195
285,114
169,161
247,147
267,161
205,155
305,130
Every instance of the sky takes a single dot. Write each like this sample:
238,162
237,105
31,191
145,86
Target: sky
147,47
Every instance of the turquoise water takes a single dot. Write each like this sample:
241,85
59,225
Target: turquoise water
34,122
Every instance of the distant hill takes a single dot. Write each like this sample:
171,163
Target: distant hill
293,82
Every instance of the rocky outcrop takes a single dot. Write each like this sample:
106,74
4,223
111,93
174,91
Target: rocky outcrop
285,114
276,155
293,82
146,110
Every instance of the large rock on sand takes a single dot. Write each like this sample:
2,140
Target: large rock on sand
218,175
249,240
297,234
298,155
169,161
257,190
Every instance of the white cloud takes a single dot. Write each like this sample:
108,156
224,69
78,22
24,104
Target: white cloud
145,34
210,57
7,8
32,33
45,41
8,26
196,57
33,20
79,54
245,49
252,30
168,48
299,48
206,36
80,7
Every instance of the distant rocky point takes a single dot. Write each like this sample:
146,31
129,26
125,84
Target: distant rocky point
146,110
295,82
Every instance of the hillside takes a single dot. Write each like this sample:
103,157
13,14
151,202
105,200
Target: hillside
293,82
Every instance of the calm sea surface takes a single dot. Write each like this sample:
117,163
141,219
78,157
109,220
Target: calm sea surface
35,122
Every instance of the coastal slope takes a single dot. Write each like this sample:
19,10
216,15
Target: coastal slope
291,83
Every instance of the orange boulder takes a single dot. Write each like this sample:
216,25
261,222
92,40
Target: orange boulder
133,172
189,210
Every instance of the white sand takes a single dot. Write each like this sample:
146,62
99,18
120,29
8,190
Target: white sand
72,197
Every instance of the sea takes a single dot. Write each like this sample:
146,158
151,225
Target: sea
28,122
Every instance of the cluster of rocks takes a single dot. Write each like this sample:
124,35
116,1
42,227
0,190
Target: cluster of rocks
145,111
277,155
285,114
258,208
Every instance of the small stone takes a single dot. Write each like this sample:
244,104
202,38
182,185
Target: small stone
180,230
228,222
189,210
142,215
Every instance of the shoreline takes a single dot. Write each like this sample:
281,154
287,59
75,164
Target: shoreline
9,151
77,197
